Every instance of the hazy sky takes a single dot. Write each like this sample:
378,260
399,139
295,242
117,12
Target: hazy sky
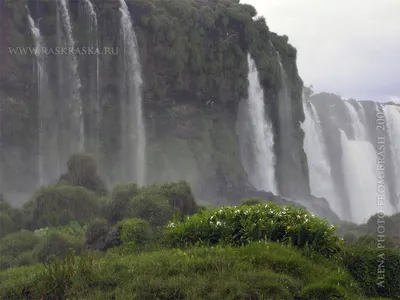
349,47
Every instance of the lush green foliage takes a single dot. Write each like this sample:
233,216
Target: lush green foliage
16,249
54,206
366,234
180,196
57,244
17,243
96,229
251,201
7,225
121,194
135,231
153,208
255,271
243,224
370,266
10,218
82,171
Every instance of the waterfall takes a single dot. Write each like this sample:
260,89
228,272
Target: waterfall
359,130
256,135
44,140
69,88
321,180
392,114
359,164
92,106
133,139
285,114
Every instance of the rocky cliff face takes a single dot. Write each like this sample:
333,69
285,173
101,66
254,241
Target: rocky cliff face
194,61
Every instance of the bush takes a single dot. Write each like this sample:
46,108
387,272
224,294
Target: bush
55,206
135,231
10,218
14,244
62,274
350,238
180,196
252,201
6,262
26,259
82,171
154,209
121,194
243,224
57,244
7,225
323,291
364,265
97,229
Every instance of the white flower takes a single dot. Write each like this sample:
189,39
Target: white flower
171,225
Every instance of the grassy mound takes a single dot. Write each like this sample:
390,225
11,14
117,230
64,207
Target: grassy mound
220,272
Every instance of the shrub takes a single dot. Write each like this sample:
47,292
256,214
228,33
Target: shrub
6,262
323,291
60,275
97,229
10,218
349,238
180,196
4,205
14,244
243,224
392,225
121,194
54,206
7,225
364,265
57,244
251,201
155,209
82,171
26,259
135,231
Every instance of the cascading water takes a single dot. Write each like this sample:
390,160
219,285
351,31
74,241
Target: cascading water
256,135
285,114
321,180
359,130
359,167
44,140
69,88
359,164
133,139
92,107
392,114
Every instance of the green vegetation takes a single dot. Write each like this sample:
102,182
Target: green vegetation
75,240
366,234
376,270
135,231
58,205
223,272
244,224
82,171
157,244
